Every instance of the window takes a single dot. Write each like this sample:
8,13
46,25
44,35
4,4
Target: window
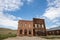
25,25
35,25
42,26
29,25
53,32
57,31
29,31
39,25
21,25
21,31
25,31
49,32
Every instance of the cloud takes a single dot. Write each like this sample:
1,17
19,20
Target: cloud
10,5
28,1
7,20
53,12
12,17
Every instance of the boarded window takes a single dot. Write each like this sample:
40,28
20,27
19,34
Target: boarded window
39,25
42,26
35,25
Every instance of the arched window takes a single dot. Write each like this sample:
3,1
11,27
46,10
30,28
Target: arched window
21,31
25,31
29,31
29,25
25,26
21,24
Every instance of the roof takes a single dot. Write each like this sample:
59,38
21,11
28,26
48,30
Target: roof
39,18
26,20
55,28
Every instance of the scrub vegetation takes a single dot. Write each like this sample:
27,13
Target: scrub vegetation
6,33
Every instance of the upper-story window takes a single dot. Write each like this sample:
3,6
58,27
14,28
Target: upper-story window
42,26
24,25
29,25
35,25
39,25
21,24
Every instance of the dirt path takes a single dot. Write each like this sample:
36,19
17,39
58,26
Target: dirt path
28,38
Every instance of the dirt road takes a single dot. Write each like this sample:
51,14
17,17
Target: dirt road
28,38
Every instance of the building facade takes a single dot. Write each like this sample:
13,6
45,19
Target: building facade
36,27
54,31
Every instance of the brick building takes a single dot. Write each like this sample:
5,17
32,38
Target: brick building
36,27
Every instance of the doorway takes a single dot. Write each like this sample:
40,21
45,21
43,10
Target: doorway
25,32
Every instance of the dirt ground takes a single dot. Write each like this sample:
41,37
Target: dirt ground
28,38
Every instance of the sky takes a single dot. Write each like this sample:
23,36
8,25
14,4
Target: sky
13,10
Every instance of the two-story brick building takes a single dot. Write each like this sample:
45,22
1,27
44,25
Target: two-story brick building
36,27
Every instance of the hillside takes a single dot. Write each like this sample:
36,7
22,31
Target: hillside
6,31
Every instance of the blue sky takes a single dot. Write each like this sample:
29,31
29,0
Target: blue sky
28,11
13,10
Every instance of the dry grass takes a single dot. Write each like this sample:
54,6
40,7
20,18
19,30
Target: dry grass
6,33
51,37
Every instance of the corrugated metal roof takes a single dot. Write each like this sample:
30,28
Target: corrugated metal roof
55,28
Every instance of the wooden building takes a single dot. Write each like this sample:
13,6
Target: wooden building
54,31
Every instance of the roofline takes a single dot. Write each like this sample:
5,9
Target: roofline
26,20
39,18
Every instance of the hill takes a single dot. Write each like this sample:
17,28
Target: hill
6,31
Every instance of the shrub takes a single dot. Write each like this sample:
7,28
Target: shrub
4,36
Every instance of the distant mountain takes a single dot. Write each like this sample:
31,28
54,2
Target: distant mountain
6,31
54,28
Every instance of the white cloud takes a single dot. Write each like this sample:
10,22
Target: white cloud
7,20
12,17
53,12
29,0
10,5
